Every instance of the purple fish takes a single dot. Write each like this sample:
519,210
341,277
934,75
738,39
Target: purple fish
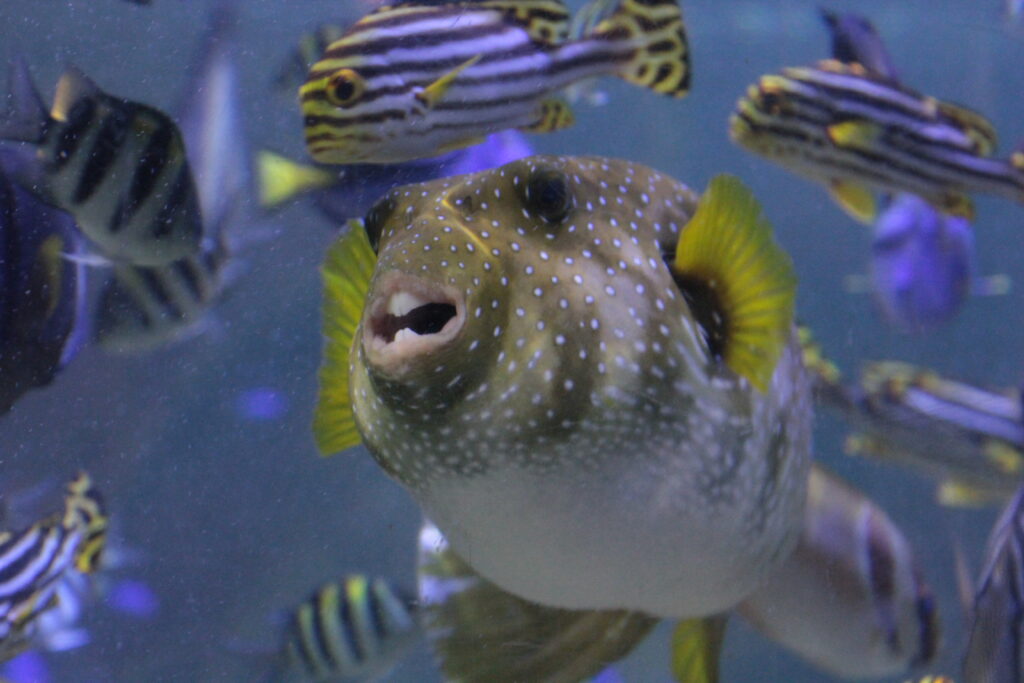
28,667
922,264
134,598
261,404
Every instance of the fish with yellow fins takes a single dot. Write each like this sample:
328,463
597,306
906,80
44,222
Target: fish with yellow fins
858,131
850,600
572,363
419,79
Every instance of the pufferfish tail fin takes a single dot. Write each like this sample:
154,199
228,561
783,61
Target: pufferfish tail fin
482,634
739,282
661,60
346,271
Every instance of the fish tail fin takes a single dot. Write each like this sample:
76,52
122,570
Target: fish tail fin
281,179
346,271
661,60
739,282
26,117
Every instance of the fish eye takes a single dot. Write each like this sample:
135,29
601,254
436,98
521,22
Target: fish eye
375,219
345,87
546,194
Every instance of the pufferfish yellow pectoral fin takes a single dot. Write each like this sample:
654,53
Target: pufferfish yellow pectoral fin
696,649
346,271
741,278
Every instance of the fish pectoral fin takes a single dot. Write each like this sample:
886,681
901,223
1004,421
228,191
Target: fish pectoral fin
72,87
696,649
281,179
739,283
87,258
481,633
552,114
347,270
432,94
854,133
855,199
661,58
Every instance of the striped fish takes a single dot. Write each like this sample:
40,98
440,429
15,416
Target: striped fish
415,80
34,561
995,650
857,131
141,308
968,437
354,629
119,167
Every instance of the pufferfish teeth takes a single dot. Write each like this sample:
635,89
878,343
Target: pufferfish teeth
404,333
401,303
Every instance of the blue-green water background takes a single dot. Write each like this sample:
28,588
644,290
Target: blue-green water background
229,520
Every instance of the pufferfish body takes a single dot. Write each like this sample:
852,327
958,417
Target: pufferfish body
586,377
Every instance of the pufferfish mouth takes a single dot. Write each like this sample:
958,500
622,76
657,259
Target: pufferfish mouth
410,317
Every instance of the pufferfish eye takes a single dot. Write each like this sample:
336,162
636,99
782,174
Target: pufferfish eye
375,219
546,194
345,87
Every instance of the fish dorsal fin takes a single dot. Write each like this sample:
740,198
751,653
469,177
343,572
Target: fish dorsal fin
281,179
975,126
696,649
546,21
739,282
347,270
855,199
433,93
72,87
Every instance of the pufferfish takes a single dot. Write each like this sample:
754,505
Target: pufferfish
588,379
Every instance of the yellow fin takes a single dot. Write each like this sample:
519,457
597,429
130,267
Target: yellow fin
553,114
72,87
346,271
546,21
814,358
433,93
281,179
854,133
1007,458
661,58
1017,159
696,647
955,493
855,199
975,126
728,249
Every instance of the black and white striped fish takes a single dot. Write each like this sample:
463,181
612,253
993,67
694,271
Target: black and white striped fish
995,650
119,167
34,561
855,130
358,628
415,80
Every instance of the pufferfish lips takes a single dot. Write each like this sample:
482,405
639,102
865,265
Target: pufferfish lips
409,318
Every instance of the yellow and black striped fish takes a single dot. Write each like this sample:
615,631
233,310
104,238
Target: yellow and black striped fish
357,628
142,308
119,167
416,80
33,561
855,130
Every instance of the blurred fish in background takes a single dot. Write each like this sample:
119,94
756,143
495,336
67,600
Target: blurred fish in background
43,321
922,260
344,192
295,67
119,167
922,267
37,561
995,650
356,629
142,308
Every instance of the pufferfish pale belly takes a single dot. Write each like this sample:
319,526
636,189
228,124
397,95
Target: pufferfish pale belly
592,390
